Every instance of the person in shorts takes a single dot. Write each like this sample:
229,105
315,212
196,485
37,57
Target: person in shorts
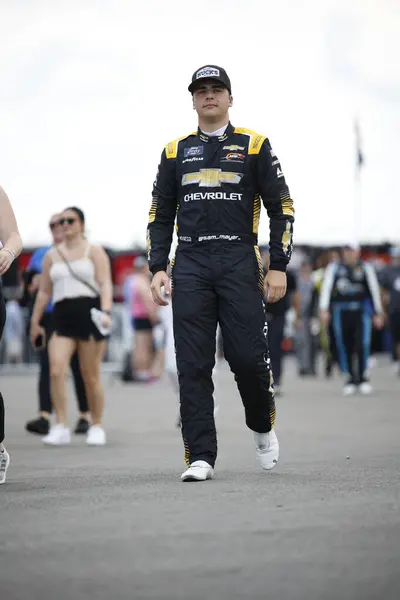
77,277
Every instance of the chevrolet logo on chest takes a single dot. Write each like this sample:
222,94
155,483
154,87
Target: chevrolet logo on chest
211,177
233,148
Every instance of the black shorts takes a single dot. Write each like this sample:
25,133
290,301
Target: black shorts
142,324
72,319
394,322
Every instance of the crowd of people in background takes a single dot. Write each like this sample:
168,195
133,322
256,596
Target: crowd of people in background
337,307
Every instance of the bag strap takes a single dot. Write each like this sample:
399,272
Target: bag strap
75,276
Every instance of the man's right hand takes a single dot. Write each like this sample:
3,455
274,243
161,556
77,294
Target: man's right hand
160,280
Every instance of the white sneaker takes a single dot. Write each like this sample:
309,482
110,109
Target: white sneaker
198,471
267,449
96,436
365,388
349,389
59,435
4,464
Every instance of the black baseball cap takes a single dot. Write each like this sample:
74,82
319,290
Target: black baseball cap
210,72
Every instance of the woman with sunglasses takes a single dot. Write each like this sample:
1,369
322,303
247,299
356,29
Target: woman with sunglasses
77,276
41,424
11,248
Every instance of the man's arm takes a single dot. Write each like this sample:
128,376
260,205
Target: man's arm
373,288
162,212
327,288
44,294
276,199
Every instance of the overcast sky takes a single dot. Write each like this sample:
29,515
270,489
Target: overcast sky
92,90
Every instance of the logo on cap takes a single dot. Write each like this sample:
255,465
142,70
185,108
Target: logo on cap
207,72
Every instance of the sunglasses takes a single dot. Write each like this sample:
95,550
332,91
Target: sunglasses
54,225
67,221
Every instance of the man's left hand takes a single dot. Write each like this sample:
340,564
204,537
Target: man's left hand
274,286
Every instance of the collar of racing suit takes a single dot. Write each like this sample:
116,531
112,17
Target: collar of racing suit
217,132
213,138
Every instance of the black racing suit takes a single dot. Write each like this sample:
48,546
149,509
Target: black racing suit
213,187
352,296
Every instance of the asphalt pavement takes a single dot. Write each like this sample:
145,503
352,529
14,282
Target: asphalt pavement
117,523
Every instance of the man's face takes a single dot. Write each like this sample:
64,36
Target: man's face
350,255
211,100
334,256
56,229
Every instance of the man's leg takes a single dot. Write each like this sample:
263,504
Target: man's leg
244,329
243,324
44,384
333,358
341,337
82,426
363,345
194,305
344,330
351,327
41,424
79,385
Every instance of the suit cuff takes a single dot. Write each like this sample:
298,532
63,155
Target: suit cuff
277,266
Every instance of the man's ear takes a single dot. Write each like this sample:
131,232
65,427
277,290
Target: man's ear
230,100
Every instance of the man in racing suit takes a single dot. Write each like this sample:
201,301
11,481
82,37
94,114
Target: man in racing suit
350,298
213,181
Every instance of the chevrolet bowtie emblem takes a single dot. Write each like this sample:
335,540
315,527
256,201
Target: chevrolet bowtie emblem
211,177
233,148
